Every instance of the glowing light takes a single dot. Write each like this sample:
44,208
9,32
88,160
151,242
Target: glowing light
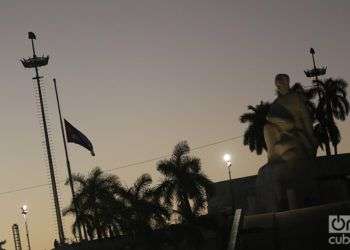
227,158
24,209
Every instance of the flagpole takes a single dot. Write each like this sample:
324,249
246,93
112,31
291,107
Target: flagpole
76,207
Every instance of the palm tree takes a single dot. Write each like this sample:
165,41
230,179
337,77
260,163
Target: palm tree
184,183
332,104
144,213
97,203
334,135
81,220
322,136
254,134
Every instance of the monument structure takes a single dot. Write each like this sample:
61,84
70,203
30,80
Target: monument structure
288,133
292,177
287,180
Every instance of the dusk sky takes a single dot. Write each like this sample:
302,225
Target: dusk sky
139,76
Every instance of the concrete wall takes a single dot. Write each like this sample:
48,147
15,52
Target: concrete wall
243,191
298,229
286,186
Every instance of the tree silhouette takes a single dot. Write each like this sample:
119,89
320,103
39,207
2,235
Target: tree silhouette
184,183
332,104
144,212
98,207
254,134
107,208
322,136
83,220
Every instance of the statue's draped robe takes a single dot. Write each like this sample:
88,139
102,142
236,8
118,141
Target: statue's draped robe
288,132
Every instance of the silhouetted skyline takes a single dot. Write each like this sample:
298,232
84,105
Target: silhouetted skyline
139,76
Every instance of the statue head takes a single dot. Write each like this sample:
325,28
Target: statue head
282,83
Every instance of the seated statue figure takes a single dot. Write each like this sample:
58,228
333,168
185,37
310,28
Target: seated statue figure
288,132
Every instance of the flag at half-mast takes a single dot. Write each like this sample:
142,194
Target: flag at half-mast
77,137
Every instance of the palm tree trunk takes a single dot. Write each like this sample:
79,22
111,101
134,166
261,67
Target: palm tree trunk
328,149
91,233
187,206
85,232
330,119
97,223
98,229
110,231
326,143
104,233
335,149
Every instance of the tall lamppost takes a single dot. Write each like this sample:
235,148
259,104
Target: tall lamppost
35,62
24,211
16,237
315,71
228,164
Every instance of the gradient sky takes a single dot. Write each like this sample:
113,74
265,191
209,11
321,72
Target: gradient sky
139,76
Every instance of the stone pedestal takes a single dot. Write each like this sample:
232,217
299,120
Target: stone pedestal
303,183
275,181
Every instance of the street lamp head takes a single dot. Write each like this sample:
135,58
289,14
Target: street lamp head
24,209
31,35
37,61
227,159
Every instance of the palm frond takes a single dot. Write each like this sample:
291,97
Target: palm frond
332,104
167,167
254,134
165,190
192,164
181,149
142,183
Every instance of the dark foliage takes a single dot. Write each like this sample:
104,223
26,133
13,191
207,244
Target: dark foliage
184,183
254,134
332,105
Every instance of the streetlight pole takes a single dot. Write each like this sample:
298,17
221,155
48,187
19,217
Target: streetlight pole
25,211
228,164
36,62
16,237
315,71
